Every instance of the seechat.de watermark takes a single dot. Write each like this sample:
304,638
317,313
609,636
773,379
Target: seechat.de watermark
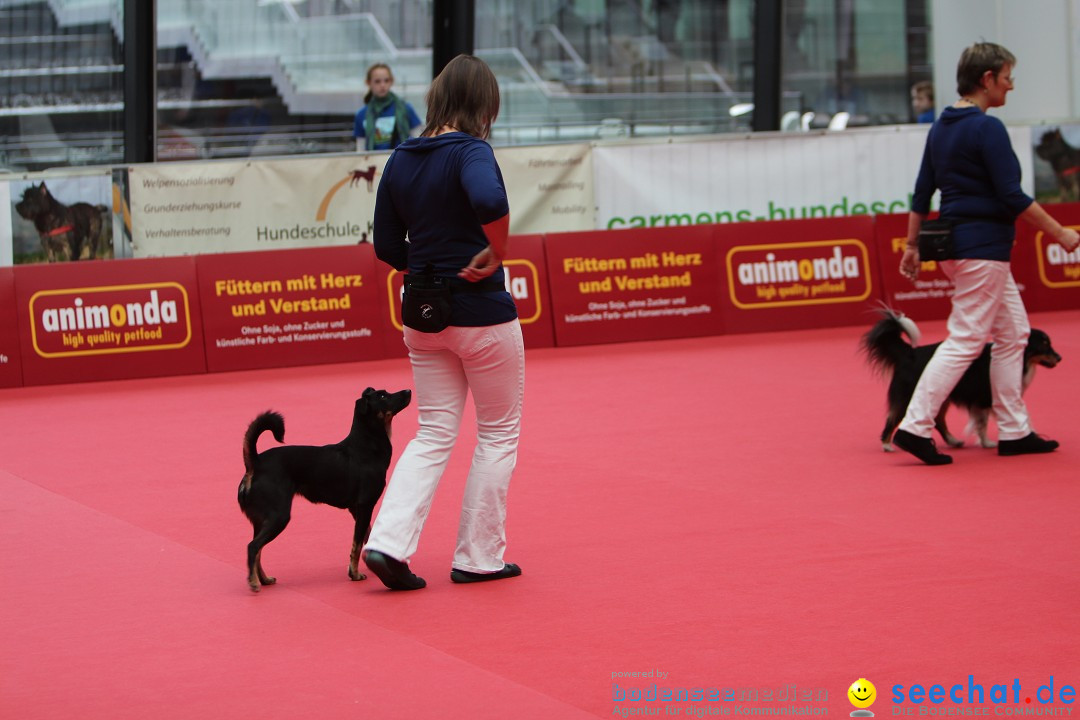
1052,698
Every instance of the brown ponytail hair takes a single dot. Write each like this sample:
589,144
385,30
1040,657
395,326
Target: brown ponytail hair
464,96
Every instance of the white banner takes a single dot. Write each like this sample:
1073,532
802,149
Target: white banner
189,208
765,177
550,187
194,208
6,235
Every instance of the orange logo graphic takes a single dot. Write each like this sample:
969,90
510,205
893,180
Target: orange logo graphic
800,273
114,319
1057,267
522,282
353,179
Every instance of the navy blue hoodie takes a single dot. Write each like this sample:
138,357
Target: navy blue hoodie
969,157
437,192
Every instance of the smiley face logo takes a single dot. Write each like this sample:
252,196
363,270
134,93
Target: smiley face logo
862,693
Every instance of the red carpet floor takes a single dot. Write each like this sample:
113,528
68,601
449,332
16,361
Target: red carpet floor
718,510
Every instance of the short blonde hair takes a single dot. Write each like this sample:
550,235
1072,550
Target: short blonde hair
976,60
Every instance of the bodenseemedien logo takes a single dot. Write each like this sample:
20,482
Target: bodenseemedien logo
862,695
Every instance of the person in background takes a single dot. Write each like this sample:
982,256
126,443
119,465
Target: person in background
441,209
386,120
969,158
922,101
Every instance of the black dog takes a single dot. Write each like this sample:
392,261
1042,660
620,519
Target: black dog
349,475
888,352
67,232
1065,160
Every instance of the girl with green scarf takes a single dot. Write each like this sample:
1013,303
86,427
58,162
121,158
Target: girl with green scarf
386,120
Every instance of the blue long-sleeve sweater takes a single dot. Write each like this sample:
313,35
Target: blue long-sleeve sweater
969,157
435,195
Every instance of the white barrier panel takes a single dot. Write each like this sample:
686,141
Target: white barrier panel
765,177
195,208
550,188
6,238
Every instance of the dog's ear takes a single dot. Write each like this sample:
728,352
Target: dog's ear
362,403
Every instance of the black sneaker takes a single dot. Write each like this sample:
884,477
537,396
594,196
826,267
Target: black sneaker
1027,445
464,576
920,447
393,573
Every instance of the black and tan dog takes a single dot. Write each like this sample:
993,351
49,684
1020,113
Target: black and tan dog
1065,161
67,232
350,475
887,351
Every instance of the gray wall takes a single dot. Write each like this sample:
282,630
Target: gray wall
1043,34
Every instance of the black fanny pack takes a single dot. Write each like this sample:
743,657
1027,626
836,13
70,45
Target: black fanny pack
425,301
936,236
936,240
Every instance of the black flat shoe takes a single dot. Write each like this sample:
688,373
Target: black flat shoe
1027,445
920,447
393,573
464,576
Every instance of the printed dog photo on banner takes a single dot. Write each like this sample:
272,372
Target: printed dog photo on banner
1056,151
61,219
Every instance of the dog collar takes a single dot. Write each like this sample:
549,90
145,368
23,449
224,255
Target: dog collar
60,230
1071,171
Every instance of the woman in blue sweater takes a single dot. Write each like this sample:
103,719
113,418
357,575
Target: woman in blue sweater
441,209
969,158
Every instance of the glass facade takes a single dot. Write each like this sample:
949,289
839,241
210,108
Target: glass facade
240,78
61,87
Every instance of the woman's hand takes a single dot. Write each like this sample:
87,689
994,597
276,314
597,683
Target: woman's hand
1068,238
909,264
483,265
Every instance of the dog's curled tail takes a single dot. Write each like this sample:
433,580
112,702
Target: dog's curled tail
883,344
269,420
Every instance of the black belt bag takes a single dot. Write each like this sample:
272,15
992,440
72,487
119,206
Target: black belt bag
425,301
936,240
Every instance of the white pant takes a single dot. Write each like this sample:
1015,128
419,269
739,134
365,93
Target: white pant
490,361
986,308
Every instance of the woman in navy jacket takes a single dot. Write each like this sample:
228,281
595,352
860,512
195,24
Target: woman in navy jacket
441,207
969,158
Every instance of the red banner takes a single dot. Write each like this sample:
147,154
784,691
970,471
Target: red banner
105,320
10,362
930,296
526,280
290,307
1048,275
639,284
794,274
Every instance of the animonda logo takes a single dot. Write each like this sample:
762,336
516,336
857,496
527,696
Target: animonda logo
111,319
800,273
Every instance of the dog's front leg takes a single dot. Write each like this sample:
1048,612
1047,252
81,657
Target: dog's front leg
939,422
979,423
360,535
